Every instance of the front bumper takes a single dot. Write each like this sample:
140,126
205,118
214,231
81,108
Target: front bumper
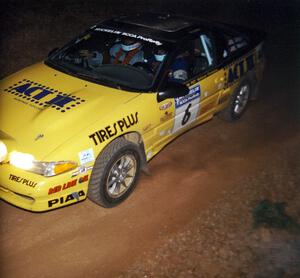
37,193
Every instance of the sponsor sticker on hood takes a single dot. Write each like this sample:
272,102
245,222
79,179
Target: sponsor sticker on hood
40,96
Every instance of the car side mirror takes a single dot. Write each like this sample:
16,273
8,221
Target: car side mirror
172,90
52,51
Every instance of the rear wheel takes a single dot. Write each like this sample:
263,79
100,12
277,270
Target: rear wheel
238,102
115,173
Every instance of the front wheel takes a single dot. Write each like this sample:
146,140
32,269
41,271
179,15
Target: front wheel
238,102
115,173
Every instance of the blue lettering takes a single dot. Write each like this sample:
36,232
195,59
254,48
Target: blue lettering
250,62
231,76
239,69
22,88
42,94
31,90
241,66
60,100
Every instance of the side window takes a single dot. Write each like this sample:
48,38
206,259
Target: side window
233,43
204,54
179,69
196,56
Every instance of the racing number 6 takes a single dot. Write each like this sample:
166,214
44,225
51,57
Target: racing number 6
187,115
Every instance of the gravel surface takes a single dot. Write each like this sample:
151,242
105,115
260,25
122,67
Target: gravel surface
214,239
223,240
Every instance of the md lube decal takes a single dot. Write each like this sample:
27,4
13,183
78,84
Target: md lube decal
112,130
187,108
67,185
40,96
135,36
240,68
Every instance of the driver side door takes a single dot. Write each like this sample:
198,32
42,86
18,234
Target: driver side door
194,66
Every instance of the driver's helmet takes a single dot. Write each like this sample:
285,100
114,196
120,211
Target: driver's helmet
129,44
160,54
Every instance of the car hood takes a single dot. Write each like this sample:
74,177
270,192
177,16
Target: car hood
40,107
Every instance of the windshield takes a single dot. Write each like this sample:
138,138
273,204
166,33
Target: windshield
112,58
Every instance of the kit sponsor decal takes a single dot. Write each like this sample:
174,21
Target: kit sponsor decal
67,185
126,34
22,180
39,96
239,69
86,156
114,129
187,108
165,106
66,199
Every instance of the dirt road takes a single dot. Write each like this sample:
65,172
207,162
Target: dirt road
187,177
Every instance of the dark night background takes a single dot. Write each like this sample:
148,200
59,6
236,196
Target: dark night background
30,29
264,143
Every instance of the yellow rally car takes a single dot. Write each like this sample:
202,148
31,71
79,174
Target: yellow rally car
84,122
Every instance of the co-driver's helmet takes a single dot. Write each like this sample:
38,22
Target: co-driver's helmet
129,44
160,54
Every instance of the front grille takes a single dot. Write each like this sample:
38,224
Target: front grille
24,196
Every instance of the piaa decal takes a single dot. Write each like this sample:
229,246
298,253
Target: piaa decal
66,199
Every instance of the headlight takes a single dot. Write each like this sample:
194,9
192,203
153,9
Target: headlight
21,160
3,151
27,162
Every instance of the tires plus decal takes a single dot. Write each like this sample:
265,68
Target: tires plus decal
187,108
39,96
22,180
112,130
67,185
240,68
66,199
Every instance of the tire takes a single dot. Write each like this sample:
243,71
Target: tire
115,173
238,102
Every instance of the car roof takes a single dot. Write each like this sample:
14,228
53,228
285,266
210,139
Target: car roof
173,28
166,27
161,22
